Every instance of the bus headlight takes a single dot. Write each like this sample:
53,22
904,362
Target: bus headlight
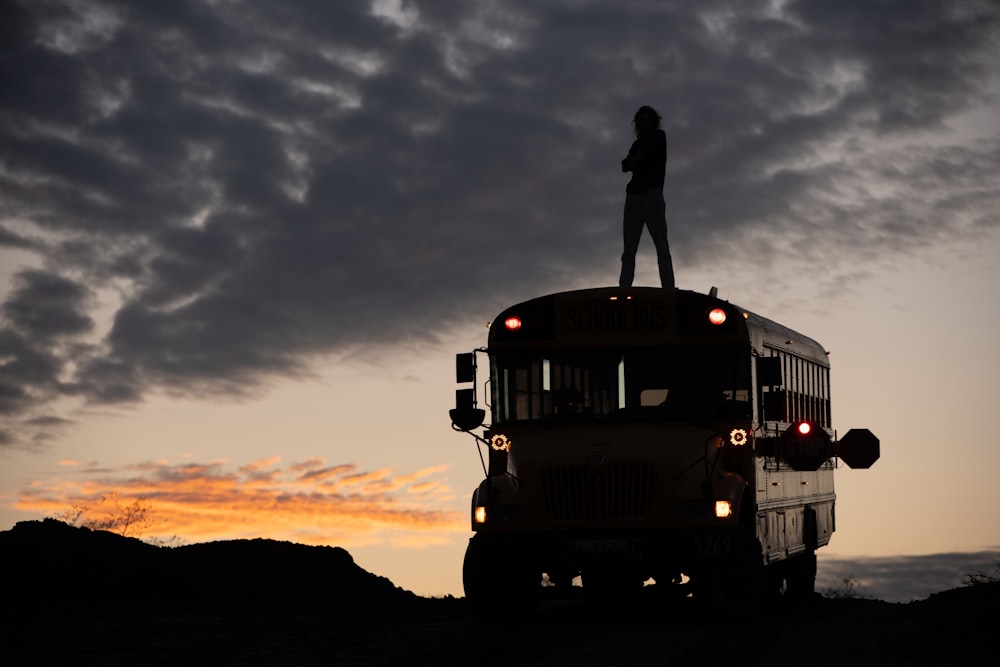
723,509
494,514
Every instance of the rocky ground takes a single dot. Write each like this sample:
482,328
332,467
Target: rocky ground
79,597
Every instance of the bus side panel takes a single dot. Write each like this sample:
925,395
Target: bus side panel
771,533
791,530
795,509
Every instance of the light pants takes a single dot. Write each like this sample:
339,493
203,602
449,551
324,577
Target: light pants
647,209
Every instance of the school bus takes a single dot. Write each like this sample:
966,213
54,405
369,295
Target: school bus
645,436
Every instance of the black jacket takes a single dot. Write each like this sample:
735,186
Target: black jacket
647,160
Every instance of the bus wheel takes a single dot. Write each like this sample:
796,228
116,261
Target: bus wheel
497,583
774,582
735,582
800,576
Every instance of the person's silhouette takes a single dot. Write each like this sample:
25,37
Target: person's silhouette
644,205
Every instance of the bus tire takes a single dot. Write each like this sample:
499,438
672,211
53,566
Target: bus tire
496,581
735,582
800,576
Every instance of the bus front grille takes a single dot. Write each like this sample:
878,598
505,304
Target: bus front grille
612,492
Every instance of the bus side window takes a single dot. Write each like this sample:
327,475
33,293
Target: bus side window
769,372
774,406
769,378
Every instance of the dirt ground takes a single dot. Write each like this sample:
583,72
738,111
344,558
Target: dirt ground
83,598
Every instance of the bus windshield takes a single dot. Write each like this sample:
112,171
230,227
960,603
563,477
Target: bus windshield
680,382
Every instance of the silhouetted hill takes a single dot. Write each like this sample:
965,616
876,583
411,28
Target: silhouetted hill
65,563
73,596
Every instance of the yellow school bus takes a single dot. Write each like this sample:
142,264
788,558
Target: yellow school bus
646,436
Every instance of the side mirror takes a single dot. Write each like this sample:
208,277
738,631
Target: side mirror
466,420
466,416
769,372
465,367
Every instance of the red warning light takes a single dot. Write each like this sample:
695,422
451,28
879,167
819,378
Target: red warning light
513,323
804,447
717,316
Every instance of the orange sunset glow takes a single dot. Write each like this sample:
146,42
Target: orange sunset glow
308,502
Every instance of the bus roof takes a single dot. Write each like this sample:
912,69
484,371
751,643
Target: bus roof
652,312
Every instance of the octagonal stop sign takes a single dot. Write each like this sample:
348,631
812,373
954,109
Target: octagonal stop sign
805,448
859,448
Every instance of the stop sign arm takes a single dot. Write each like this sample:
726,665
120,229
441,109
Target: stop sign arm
859,448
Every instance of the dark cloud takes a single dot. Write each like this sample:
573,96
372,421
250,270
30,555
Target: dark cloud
43,305
904,578
263,182
14,240
43,314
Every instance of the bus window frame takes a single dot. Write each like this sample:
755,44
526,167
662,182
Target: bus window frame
803,394
598,387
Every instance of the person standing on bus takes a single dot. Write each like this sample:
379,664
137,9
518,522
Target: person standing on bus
644,205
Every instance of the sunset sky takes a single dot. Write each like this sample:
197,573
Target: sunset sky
241,242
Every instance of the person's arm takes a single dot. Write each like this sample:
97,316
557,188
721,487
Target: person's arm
635,156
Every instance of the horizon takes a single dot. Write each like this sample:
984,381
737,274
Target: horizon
894,579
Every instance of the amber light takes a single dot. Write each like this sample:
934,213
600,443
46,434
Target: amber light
804,428
717,316
500,443
513,323
480,515
723,509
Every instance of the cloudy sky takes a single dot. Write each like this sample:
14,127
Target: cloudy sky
241,241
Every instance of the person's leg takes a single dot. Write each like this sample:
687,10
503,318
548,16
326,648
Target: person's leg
631,231
655,216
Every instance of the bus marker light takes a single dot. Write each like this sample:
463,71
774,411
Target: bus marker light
500,443
723,509
480,514
717,316
513,323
